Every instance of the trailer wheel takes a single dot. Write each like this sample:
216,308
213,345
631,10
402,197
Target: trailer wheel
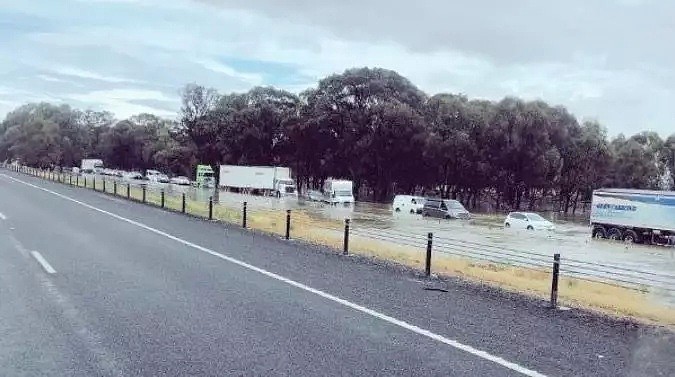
615,234
412,211
397,210
630,236
599,232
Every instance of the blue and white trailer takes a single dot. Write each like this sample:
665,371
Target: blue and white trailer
634,216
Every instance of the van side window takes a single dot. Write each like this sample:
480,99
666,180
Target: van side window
443,206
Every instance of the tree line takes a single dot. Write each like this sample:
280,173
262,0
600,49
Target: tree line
370,125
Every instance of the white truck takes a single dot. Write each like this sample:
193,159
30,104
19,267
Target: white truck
92,166
334,191
634,216
262,180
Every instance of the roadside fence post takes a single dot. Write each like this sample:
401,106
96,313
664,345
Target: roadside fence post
345,245
288,224
103,184
128,190
143,194
94,178
114,187
243,217
70,179
77,180
85,182
427,265
210,207
182,206
162,198
554,281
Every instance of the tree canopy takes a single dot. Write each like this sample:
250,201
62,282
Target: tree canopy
370,125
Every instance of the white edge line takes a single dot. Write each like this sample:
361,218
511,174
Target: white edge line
43,262
2,216
400,323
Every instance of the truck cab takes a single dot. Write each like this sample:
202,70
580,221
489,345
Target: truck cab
204,176
338,191
285,187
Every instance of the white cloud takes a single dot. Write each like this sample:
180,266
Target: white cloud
50,78
121,101
84,74
212,65
184,41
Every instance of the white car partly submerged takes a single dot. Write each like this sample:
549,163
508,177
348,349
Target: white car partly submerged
180,180
527,221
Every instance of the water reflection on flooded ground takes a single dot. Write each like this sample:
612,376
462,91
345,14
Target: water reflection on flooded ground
571,240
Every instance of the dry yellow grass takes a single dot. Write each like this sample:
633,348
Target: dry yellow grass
606,298
609,299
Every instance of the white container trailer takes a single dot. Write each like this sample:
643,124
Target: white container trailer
92,166
640,216
266,180
334,191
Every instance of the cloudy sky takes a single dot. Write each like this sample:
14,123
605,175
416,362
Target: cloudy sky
609,60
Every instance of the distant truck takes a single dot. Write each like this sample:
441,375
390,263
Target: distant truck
92,166
261,180
334,191
204,176
634,216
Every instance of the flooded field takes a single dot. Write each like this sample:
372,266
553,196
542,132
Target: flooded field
483,237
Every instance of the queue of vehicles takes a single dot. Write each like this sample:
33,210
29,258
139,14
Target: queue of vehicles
634,216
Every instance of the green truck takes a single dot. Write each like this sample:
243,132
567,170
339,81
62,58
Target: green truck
205,177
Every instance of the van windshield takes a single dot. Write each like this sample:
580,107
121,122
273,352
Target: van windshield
455,204
535,217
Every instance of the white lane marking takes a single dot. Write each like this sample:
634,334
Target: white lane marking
103,358
19,246
2,216
43,262
418,330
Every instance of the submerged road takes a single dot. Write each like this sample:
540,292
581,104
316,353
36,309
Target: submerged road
96,286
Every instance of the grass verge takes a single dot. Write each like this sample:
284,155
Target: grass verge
608,299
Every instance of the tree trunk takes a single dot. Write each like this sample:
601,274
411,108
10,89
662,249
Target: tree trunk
576,200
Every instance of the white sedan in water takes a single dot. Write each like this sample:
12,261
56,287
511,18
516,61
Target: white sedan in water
180,180
528,221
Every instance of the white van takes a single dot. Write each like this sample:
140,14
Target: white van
408,203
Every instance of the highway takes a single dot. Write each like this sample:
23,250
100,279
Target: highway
92,285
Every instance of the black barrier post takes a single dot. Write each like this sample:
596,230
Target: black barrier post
243,216
143,194
345,245
427,265
114,187
85,182
162,198
182,205
70,179
103,184
77,180
288,224
128,190
94,178
554,281
210,207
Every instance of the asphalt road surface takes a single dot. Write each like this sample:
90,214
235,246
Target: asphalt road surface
92,285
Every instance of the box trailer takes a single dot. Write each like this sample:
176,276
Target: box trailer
639,216
263,180
92,166
334,191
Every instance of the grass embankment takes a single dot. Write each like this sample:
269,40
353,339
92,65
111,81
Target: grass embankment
609,299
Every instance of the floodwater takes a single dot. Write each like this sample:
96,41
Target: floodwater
484,238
